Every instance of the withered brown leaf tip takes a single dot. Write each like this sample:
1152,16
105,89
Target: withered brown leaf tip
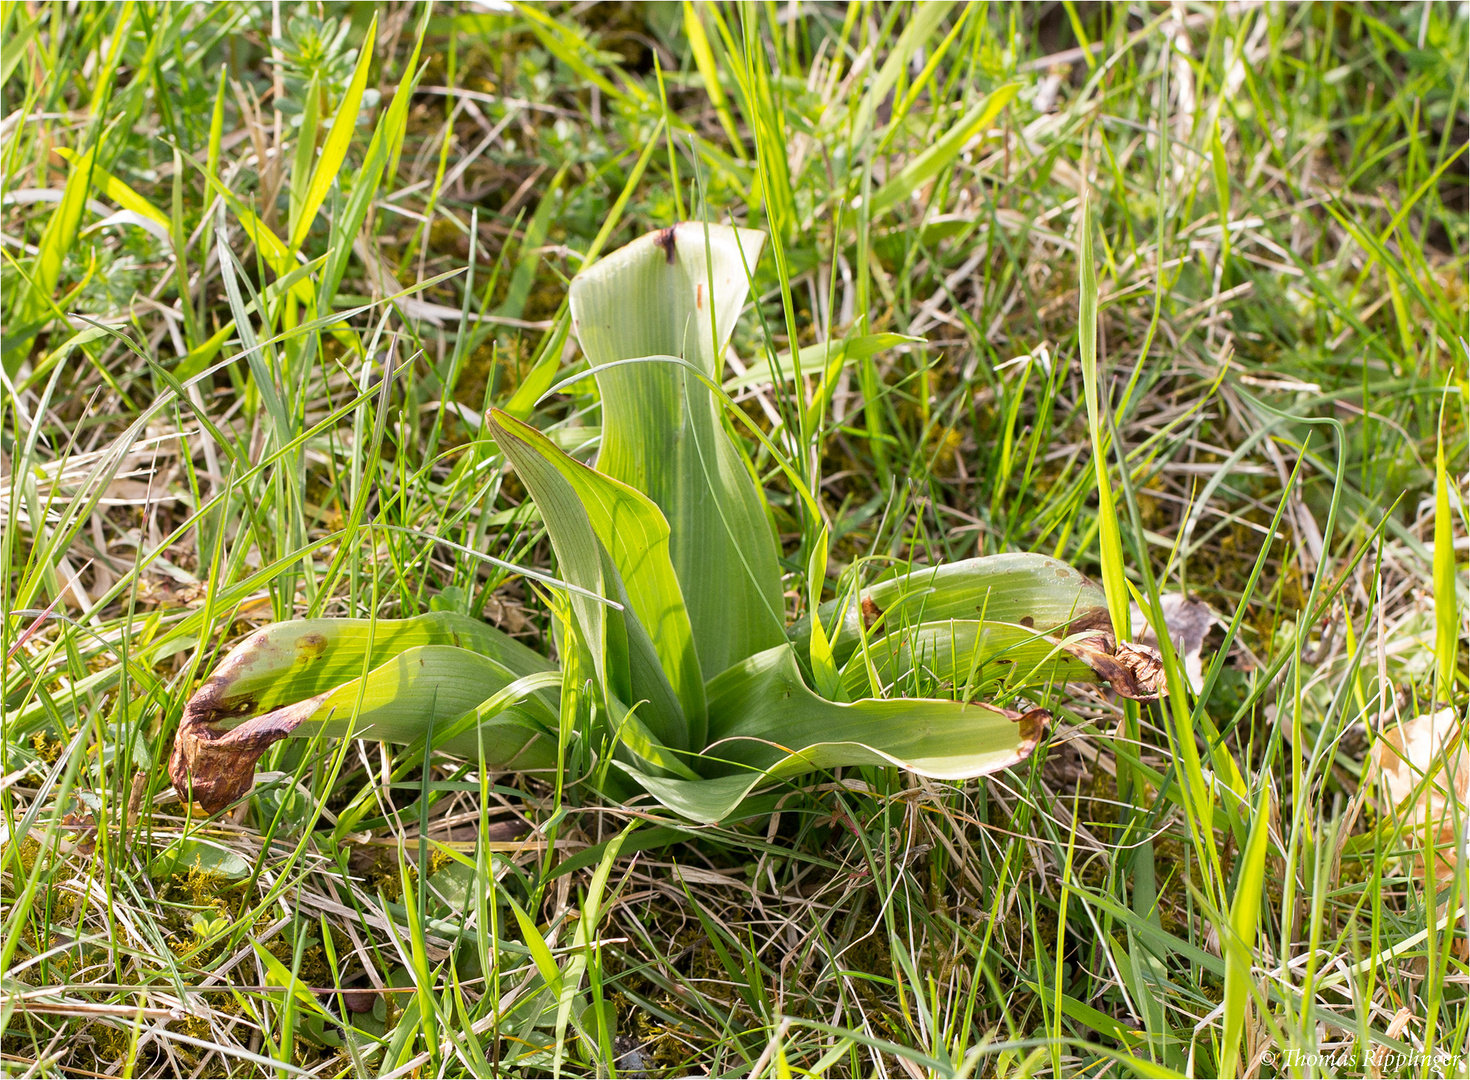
213,763
1134,671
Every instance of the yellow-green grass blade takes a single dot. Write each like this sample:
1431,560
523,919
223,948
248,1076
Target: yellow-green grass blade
636,537
816,357
56,240
1245,911
766,725
334,150
915,36
13,49
382,151
928,165
1109,538
709,72
272,249
671,293
1446,600
116,190
1016,587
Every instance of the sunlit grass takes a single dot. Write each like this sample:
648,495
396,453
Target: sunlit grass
262,290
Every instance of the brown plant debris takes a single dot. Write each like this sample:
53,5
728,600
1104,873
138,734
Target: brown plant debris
1133,670
1423,770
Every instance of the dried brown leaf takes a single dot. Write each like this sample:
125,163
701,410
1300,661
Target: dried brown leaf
1423,769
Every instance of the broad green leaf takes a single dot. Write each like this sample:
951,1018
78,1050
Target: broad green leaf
980,658
305,678
334,150
766,725
579,511
669,293
194,852
441,682
1017,587
288,662
424,685
636,536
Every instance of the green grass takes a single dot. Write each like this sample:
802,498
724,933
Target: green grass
207,426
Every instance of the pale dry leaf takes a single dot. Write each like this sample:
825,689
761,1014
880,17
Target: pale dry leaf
1188,622
1423,770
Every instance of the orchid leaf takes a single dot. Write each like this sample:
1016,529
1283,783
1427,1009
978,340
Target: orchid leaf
1019,587
307,677
671,293
636,536
609,538
767,725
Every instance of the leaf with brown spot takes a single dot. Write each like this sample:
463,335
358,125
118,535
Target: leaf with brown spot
306,678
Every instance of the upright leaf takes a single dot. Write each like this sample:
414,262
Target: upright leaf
334,150
636,536
928,165
1446,601
671,293
1240,942
609,538
1109,538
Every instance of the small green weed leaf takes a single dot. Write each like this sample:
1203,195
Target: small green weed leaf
824,666
194,852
